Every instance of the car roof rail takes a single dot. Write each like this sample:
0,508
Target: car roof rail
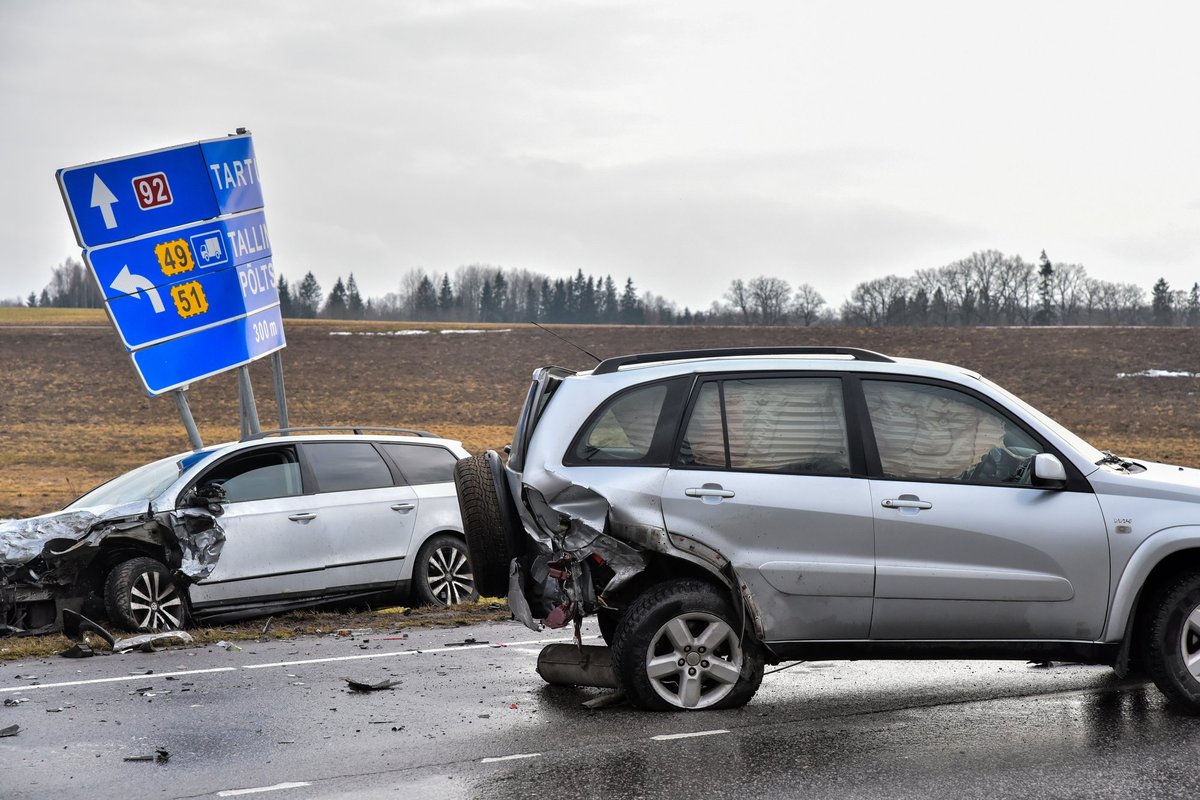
613,364
355,429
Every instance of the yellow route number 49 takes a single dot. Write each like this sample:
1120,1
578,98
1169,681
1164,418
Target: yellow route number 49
189,299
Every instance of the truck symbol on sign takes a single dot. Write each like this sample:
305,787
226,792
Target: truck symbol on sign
209,248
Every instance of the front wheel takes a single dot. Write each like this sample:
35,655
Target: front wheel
141,595
1172,647
679,646
442,574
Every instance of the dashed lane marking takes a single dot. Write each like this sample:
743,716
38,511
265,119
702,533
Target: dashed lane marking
257,789
515,757
669,736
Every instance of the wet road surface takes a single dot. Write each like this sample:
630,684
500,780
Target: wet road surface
475,720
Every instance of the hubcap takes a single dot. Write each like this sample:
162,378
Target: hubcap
1189,643
694,660
155,602
450,578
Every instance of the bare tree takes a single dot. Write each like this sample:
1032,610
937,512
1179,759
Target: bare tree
738,296
807,303
770,297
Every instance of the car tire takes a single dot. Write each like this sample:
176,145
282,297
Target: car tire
1172,645
669,624
141,595
489,523
442,575
606,621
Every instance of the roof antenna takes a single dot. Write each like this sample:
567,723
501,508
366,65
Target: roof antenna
568,341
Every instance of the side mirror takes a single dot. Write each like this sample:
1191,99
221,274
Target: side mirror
1048,471
205,496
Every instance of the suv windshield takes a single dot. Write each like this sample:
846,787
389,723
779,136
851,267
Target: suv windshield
142,484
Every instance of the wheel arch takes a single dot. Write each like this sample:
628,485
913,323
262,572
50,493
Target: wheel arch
1155,562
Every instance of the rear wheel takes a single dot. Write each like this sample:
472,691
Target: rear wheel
679,647
141,595
442,574
1172,646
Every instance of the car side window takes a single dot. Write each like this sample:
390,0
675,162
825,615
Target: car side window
790,425
926,432
627,428
257,475
346,466
423,464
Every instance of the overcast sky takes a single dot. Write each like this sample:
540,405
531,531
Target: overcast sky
683,144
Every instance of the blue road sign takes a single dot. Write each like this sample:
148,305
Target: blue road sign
203,353
110,201
200,299
163,257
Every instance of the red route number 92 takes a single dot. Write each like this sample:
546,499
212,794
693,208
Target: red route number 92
152,191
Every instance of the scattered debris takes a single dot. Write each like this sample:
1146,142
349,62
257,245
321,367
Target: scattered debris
78,650
11,730
267,625
160,757
15,701
359,686
230,646
470,640
75,625
604,701
150,642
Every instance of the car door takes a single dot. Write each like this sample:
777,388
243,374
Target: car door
965,546
275,547
367,518
429,470
766,475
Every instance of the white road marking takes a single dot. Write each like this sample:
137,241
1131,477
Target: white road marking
156,675
31,687
508,758
256,790
669,736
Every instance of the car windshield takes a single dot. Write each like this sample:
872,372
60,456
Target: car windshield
142,484
1081,445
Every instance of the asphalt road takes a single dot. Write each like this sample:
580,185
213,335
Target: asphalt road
475,720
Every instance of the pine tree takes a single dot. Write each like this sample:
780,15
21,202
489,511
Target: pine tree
1193,305
487,302
631,312
335,304
1045,315
31,301
287,307
500,309
1160,302
427,299
445,296
354,302
308,297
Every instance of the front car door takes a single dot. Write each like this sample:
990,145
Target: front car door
766,472
966,548
275,547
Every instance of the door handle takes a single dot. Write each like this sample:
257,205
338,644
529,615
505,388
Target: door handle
708,490
302,517
906,501
403,507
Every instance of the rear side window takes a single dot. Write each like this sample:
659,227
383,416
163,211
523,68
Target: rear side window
344,466
791,425
422,463
257,475
634,427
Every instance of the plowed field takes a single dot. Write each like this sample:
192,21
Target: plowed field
73,414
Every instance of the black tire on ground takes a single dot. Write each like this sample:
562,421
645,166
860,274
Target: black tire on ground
488,524
442,574
693,622
141,595
606,620
1173,640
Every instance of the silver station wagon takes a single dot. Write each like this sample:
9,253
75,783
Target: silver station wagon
246,528
722,509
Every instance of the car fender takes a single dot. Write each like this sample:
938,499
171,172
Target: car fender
1145,558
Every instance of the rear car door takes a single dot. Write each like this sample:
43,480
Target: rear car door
367,518
766,473
275,547
966,547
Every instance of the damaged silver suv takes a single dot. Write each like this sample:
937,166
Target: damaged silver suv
722,509
246,528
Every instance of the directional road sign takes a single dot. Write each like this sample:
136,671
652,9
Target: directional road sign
179,245
177,362
109,201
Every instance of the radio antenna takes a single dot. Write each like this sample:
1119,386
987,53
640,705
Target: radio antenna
568,341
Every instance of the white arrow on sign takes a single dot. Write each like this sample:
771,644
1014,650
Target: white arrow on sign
103,198
131,283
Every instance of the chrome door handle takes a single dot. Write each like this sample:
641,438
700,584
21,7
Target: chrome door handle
906,502
403,507
302,517
708,491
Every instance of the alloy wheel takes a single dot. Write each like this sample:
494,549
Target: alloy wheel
694,660
450,578
155,602
1189,643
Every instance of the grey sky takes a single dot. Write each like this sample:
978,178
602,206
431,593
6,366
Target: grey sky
681,143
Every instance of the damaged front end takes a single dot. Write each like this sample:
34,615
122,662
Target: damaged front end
60,561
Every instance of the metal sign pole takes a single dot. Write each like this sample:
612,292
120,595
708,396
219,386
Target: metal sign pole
247,407
280,396
189,422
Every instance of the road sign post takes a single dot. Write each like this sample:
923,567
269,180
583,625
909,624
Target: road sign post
178,242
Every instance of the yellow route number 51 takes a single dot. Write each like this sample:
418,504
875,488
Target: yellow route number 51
189,299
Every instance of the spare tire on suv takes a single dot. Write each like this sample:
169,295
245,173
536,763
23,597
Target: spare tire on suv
491,524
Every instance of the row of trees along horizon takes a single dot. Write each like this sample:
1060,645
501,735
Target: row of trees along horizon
985,288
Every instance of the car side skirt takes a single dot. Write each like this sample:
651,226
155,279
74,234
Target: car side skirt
1079,652
262,606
